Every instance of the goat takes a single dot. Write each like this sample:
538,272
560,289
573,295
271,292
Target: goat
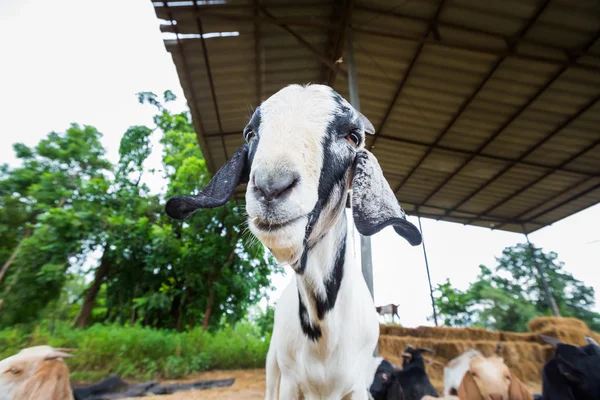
36,373
412,378
304,152
573,372
383,385
455,370
490,379
391,309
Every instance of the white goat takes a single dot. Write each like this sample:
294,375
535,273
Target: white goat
456,369
35,373
304,152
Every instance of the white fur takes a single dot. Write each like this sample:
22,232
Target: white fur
456,369
337,365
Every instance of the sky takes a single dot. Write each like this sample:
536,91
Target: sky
82,61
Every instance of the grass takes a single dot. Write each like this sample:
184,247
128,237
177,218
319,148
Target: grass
137,353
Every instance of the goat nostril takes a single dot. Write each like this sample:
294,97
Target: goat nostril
496,397
275,186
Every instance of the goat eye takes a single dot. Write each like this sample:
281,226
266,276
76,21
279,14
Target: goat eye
14,371
248,136
353,138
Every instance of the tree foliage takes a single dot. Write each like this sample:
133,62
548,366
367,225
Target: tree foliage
507,297
66,203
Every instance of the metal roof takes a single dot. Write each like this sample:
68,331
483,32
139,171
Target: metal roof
487,113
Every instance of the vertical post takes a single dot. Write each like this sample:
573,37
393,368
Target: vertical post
540,270
428,274
365,241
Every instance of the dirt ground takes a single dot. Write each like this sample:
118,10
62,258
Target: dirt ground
249,385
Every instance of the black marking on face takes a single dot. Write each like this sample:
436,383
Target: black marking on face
333,282
313,332
253,125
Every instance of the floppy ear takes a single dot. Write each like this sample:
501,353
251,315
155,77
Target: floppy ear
468,389
425,350
217,192
374,205
517,390
369,128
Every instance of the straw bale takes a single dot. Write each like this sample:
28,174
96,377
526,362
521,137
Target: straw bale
524,353
539,324
525,359
443,332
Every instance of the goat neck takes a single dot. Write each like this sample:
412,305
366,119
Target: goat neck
319,276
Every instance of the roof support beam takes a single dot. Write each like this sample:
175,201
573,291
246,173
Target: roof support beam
409,69
258,54
568,189
193,107
465,29
465,104
480,50
524,107
211,83
339,37
528,152
562,203
331,64
460,151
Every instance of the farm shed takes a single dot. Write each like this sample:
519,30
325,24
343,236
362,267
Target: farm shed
487,113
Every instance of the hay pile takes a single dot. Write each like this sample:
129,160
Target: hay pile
524,353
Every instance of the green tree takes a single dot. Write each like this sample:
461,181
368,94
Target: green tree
52,195
65,202
510,295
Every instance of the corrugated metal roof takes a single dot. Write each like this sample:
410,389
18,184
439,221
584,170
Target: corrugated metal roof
487,113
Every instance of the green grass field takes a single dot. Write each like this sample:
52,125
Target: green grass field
140,354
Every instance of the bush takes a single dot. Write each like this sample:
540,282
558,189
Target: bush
140,353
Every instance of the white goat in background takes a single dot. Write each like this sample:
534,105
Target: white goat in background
304,152
36,373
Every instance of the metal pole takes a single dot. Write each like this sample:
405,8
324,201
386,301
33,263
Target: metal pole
540,270
365,241
428,274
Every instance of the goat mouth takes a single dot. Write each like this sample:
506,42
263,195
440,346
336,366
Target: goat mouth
269,226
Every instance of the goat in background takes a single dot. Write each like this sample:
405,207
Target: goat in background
36,373
391,309
304,152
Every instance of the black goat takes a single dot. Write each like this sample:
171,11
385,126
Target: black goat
573,373
385,386
412,378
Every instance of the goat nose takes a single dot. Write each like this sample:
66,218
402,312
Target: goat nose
496,397
274,187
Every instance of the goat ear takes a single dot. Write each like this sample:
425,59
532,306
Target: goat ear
374,205
369,128
517,390
590,340
468,389
425,350
218,191
57,354
554,342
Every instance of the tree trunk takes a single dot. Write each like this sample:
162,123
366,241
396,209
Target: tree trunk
180,310
92,292
14,255
549,298
211,303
